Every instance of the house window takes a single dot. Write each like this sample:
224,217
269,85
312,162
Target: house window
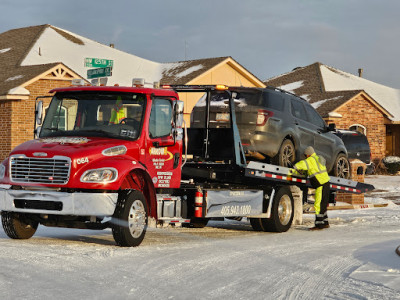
359,128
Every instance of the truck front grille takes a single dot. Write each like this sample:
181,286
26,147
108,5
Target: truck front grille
40,170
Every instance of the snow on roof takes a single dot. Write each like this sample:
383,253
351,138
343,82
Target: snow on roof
292,86
319,103
336,80
4,50
19,91
59,45
188,71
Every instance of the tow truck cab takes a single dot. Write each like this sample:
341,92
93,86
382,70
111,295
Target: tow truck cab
94,142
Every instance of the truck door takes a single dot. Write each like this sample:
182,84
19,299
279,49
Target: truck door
163,154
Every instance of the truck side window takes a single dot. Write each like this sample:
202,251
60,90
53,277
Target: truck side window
160,118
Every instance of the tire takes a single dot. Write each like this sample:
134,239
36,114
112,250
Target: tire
256,224
130,220
341,168
18,226
286,155
282,212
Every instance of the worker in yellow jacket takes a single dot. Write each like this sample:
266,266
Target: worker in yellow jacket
314,167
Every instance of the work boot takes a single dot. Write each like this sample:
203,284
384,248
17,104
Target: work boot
315,228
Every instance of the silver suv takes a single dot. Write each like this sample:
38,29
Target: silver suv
275,126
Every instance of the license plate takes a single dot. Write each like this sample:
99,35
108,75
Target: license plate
222,117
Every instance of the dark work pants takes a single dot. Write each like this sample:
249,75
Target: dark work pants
321,219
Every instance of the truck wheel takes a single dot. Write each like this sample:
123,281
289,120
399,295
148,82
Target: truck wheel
282,212
341,168
130,220
18,226
286,155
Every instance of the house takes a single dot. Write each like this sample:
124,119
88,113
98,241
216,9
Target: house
36,59
349,101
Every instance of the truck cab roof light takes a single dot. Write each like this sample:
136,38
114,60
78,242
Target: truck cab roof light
138,82
78,82
221,87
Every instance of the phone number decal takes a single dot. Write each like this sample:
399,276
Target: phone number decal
235,210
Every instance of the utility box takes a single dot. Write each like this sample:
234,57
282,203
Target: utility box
358,169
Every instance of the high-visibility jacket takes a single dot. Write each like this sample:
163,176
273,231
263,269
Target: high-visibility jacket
314,169
117,113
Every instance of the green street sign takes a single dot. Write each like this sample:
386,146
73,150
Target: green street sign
99,72
98,62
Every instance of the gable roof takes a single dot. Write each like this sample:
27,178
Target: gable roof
12,52
185,71
27,52
327,88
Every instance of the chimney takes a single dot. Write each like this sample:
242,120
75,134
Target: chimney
360,71
112,45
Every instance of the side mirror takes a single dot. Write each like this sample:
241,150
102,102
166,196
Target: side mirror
39,113
37,131
331,127
178,114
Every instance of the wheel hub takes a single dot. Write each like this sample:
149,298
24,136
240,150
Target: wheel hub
137,219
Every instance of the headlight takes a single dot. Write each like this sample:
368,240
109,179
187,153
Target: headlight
113,151
2,171
103,175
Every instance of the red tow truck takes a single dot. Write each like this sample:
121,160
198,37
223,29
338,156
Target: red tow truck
122,158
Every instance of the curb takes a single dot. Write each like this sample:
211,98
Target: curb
398,250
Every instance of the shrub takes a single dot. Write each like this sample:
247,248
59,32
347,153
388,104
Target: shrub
392,164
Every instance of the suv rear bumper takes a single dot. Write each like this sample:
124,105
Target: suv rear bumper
263,142
57,203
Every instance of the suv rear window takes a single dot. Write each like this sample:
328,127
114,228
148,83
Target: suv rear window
273,100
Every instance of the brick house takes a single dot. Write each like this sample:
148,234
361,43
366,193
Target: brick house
36,59
349,101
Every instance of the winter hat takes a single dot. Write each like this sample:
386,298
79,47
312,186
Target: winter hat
309,151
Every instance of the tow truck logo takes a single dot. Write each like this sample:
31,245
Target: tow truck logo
161,152
159,157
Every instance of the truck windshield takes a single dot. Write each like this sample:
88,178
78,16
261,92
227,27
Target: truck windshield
111,114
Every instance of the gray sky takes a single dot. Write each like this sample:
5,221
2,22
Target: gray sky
267,37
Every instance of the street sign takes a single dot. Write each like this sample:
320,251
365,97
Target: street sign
98,62
99,72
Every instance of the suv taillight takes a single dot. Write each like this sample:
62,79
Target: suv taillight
262,116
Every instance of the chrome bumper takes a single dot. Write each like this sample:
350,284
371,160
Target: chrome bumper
57,203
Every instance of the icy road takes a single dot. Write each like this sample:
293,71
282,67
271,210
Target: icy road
354,259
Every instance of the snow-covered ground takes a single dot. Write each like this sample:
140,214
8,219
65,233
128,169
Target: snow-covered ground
354,259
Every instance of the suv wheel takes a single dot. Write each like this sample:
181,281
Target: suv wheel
341,168
286,155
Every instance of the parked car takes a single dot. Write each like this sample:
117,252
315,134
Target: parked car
275,126
357,146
